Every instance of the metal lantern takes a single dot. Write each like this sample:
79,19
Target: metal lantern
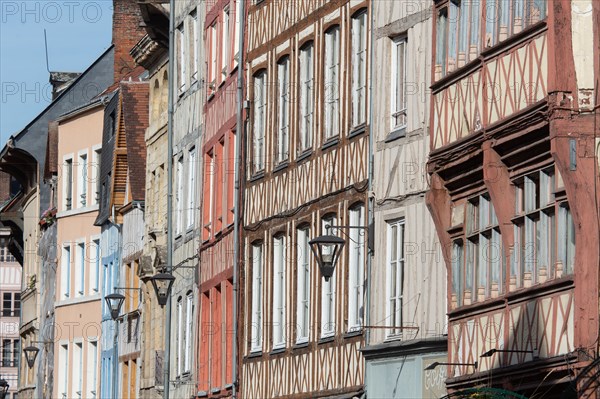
162,283
31,353
3,388
327,250
114,302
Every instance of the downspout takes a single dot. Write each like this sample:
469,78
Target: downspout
371,197
167,355
238,192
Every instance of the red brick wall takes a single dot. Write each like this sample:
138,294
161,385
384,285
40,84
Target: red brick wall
127,31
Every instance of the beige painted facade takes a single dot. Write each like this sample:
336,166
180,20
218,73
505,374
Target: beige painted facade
10,288
79,283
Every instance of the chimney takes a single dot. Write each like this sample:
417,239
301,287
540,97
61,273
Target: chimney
127,30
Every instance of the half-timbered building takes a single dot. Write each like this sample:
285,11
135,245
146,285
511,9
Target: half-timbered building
513,186
406,318
306,154
216,277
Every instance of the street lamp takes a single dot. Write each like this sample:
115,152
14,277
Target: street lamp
491,352
327,250
31,353
3,388
162,284
114,302
435,364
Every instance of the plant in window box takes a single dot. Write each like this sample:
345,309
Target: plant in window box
32,280
48,217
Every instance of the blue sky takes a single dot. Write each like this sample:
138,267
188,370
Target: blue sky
78,32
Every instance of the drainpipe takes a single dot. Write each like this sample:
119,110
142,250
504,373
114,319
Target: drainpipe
371,204
238,193
167,355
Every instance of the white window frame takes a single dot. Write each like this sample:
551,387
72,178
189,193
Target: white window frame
80,274
331,91
187,363
67,182
398,78
97,259
182,58
395,295
192,189
236,38
92,366
279,292
283,120
179,196
356,268
359,68
195,38
65,272
328,291
63,358
96,160
303,285
77,383
82,179
225,46
212,76
257,298
307,78
180,336
260,114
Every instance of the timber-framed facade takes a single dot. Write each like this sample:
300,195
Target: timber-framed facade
513,179
307,167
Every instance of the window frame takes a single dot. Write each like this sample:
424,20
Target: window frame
396,112
303,284
306,70
395,293
331,83
181,59
259,128
282,149
279,291
359,67
356,266
256,329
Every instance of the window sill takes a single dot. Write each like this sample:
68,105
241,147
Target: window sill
300,345
357,130
353,334
283,165
202,394
257,176
277,351
304,155
395,135
326,339
254,354
330,142
210,96
215,390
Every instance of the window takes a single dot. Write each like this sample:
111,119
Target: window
260,108
189,311
256,330
544,231
395,276
11,304
180,336
182,58
97,175
63,371
95,260
359,68
212,66
279,290
225,46
306,96
82,179
303,286
179,197
458,23
80,270
283,128
328,290
66,272
6,353
68,183
231,162
194,35
219,185
477,260
398,96
236,32
209,189
191,183
356,242
332,81
77,387
92,365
